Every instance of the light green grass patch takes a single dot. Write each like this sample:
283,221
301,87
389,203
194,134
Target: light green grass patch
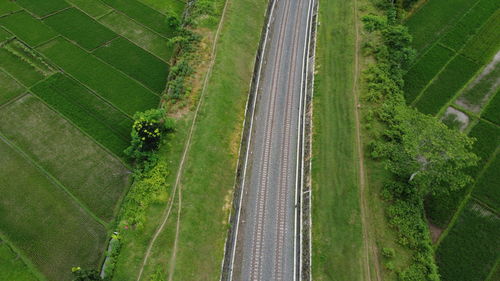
95,8
456,74
19,69
27,28
43,8
108,82
434,19
134,61
12,266
8,6
139,34
63,94
143,14
9,88
77,26
89,172
43,222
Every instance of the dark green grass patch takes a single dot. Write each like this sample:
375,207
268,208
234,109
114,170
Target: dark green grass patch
9,88
27,28
471,248
12,266
434,19
439,209
134,61
492,111
43,8
111,84
143,14
41,220
139,34
456,74
95,8
63,94
485,44
479,91
7,7
78,27
487,185
470,23
422,72
19,69
90,173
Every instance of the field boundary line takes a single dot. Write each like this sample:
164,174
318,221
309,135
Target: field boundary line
52,179
187,147
369,245
29,264
464,201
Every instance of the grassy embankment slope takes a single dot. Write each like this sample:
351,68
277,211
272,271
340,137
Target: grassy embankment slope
208,176
337,229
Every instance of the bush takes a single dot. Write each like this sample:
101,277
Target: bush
388,252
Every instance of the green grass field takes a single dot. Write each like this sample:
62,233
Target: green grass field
492,111
43,8
44,222
337,232
470,250
12,266
139,64
80,28
485,43
20,70
7,7
91,174
487,185
27,28
94,8
9,88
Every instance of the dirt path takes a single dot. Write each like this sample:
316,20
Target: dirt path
370,249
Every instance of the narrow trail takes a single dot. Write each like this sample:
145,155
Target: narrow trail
187,147
370,249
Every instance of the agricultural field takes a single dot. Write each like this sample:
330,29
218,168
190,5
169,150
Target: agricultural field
72,75
456,77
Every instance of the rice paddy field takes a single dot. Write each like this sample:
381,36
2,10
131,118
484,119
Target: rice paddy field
456,77
72,75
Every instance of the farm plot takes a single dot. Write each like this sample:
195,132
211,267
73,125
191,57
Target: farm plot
139,34
12,267
175,6
98,119
28,28
143,14
486,43
80,28
139,64
472,247
95,8
492,111
434,19
20,69
456,74
4,35
488,138
43,8
480,90
7,7
9,88
88,172
422,72
44,222
487,185
113,85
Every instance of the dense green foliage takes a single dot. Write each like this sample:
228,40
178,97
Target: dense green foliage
114,86
471,248
423,155
80,28
135,62
455,76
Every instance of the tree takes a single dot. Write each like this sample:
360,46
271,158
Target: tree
422,151
85,274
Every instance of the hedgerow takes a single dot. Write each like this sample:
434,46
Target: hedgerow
422,154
